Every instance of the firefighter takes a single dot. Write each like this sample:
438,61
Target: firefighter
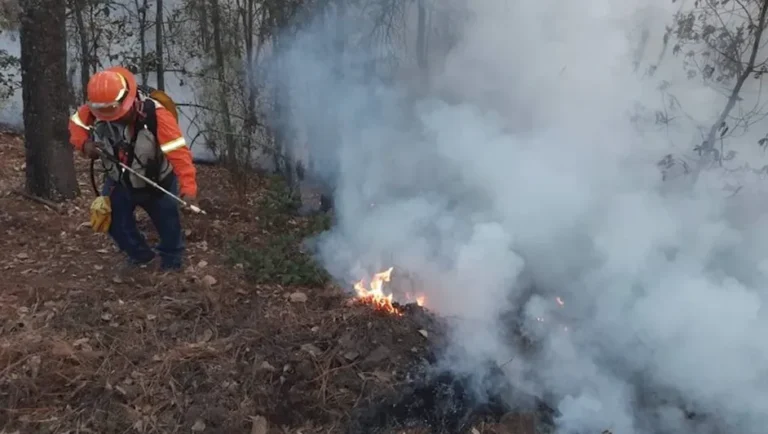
125,121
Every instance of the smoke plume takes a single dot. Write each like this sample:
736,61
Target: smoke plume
517,166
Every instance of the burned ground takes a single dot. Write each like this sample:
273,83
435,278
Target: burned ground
250,338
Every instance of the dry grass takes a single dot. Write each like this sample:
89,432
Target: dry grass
82,351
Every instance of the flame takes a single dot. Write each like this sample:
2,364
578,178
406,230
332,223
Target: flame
375,296
420,300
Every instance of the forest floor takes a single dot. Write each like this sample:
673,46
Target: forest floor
250,338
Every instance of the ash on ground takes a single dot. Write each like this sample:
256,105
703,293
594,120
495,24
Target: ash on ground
434,400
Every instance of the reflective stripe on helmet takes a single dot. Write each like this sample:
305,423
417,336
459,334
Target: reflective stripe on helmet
102,106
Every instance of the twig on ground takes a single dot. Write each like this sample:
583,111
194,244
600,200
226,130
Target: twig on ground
56,207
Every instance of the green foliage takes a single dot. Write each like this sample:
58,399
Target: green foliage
279,259
280,262
279,201
10,80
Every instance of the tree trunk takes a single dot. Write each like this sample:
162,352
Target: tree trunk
218,51
203,18
159,46
141,11
94,34
316,157
282,158
249,16
85,52
50,167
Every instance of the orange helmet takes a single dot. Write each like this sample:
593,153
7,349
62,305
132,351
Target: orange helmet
111,93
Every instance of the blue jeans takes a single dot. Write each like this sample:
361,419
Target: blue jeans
162,210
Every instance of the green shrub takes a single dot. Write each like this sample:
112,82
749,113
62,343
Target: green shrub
279,258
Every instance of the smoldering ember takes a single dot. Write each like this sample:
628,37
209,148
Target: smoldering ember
373,216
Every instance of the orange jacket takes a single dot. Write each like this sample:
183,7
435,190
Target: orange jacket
169,137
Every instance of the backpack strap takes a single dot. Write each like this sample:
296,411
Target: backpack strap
114,135
148,119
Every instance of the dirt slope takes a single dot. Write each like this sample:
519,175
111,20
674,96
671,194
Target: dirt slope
206,350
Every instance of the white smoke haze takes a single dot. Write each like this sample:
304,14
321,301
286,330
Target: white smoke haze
519,163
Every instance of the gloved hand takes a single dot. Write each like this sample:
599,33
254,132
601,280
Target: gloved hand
101,214
192,203
90,150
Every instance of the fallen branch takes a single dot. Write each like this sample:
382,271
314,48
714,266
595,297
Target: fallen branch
39,200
